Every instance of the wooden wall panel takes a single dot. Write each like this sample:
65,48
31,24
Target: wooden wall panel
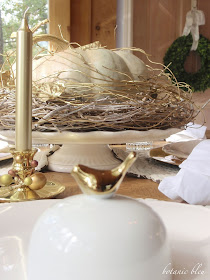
93,20
157,23
201,97
81,21
205,7
104,22
59,14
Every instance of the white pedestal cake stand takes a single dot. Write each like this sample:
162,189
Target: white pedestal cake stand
88,148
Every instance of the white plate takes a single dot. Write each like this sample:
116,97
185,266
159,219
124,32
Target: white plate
188,230
16,223
4,156
181,149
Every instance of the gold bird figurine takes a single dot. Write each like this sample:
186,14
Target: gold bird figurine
101,182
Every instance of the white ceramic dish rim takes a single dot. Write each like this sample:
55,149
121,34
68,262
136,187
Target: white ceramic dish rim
93,137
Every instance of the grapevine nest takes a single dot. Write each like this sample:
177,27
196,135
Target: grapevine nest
155,101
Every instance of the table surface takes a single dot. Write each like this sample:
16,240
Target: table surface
131,186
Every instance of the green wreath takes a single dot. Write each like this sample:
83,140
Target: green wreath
177,54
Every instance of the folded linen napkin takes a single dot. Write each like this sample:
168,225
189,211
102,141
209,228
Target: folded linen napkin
192,182
191,132
4,147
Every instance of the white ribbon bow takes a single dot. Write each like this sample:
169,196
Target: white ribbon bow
194,18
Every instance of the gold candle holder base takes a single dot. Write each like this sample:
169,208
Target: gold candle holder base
23,183
50,190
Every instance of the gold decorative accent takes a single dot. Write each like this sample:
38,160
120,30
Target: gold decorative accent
22,163
101,182
50,190
23,122
38,181
160,155
26,182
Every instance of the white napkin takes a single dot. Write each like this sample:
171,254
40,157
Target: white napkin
4,147
192,182
192,131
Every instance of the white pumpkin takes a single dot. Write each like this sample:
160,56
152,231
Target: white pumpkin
135,65
94,65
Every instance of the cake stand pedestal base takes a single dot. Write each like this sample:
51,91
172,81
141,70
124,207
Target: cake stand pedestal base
98,156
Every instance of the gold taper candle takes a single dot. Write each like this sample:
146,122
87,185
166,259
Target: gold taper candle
23,125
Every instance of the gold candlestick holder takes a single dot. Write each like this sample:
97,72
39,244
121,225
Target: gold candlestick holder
23,183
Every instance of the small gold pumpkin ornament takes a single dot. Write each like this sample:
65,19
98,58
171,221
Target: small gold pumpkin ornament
19,159
38,181
28,181
6,180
